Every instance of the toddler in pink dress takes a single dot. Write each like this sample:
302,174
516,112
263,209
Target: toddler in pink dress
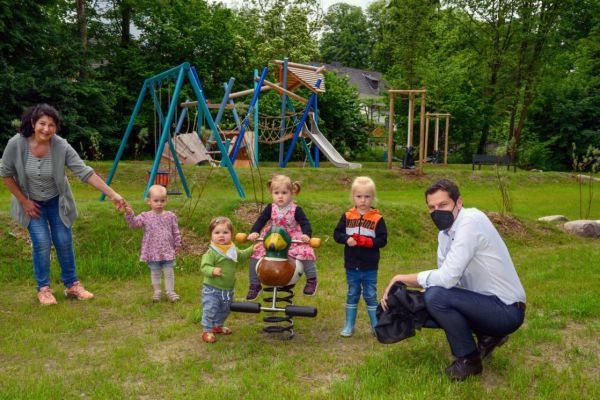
161,240
284,212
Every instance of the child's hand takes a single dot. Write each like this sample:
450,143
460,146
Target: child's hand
253,236
351,242
305,238
217,272
127,207
364,241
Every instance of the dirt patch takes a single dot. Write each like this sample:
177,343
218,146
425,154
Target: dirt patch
577,343
18,232
345,180
192,243
506,224
248,212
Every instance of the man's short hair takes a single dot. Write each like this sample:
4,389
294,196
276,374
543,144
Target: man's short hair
445,185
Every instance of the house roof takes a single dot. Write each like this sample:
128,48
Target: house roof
369,83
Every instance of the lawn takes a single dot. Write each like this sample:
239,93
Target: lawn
121,345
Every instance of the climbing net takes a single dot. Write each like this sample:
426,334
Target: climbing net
269,127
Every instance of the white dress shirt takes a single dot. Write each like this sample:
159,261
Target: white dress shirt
472,255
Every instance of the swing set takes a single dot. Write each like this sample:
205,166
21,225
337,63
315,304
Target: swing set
153,86
235,147
436,152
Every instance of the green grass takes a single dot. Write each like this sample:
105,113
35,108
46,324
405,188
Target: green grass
120,345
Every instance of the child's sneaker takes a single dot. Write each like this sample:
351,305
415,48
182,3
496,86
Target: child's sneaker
311,287
156,296
77,291
46,297
253,291
223,330
209,337
173,297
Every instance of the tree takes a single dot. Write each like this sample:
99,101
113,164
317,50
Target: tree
340,117
537,23
276,29
346,38
405,41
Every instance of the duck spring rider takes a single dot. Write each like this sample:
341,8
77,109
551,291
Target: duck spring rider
278,274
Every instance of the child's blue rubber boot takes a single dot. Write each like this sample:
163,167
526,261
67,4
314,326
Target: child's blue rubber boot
372,311
350,321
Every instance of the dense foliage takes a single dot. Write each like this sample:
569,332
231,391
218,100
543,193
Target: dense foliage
518,76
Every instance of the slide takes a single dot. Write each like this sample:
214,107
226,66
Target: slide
325,146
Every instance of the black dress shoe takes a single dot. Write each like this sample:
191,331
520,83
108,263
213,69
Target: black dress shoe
487,344
463,367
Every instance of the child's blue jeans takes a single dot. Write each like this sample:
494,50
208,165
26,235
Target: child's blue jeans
215,306
46,230
364,281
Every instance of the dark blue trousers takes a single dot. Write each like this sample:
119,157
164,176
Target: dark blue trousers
461,313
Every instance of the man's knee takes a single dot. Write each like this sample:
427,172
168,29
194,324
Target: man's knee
436,296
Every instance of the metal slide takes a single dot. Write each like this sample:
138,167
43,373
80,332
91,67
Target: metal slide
325,146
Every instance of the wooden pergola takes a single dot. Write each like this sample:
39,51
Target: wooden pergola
412,94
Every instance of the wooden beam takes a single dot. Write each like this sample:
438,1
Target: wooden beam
246,92
408,91
390,133
446,144
285,91
187,104
426,136
302,66
422,130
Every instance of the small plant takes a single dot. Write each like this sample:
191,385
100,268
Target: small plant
141,143
506,207
590,163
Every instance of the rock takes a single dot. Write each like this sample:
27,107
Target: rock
585,178
553,218
583,227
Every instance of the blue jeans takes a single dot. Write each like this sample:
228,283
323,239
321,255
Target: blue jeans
215,306
161,264
365,281
460,313
46,230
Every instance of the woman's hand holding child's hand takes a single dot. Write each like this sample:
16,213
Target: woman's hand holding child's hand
305,238
217,272
253,236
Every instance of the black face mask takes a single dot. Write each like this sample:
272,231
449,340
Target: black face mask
443,219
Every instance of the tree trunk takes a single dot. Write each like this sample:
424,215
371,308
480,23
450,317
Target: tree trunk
82,28
125,24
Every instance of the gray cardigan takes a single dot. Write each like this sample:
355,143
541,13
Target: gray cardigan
13,165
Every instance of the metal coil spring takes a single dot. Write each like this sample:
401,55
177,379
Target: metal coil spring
280,324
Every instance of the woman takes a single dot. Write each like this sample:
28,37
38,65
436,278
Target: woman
33,169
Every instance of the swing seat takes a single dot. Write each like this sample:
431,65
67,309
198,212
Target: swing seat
161,178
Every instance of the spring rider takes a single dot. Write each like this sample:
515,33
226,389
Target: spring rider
278,274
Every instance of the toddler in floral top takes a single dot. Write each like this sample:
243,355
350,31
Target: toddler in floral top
285,213
161,240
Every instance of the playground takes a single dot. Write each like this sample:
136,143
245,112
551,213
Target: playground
120,345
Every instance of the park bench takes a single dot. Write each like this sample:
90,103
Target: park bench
479,159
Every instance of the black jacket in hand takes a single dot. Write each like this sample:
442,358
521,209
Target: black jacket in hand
406,312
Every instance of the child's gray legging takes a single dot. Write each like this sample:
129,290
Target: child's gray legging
310,269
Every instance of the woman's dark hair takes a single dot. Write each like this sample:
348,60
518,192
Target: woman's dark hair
444,185
33,113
